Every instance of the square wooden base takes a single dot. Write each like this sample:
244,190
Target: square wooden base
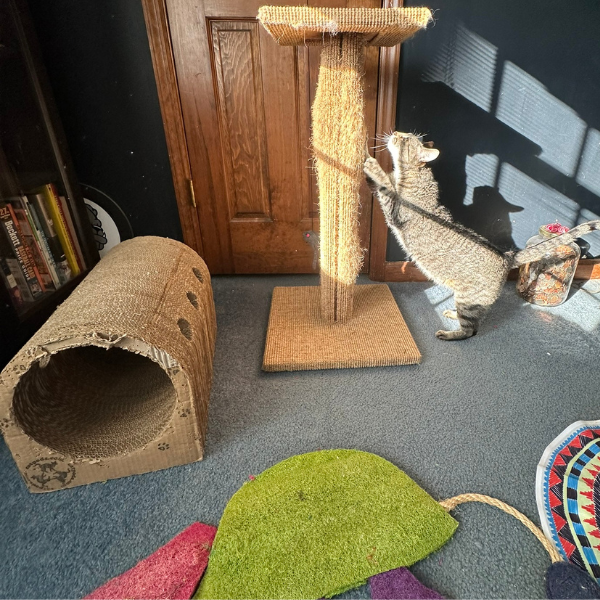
375,336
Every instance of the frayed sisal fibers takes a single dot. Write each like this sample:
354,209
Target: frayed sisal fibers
298,25
321,523
338,136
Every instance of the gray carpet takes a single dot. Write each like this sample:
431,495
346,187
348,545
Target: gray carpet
475,416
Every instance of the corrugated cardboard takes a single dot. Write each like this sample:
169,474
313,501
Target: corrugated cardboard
117,381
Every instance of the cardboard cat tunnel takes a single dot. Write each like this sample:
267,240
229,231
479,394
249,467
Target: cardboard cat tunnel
339,138
117,381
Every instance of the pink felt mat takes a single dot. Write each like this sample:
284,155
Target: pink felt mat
172,572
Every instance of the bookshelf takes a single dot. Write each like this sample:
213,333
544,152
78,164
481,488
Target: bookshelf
46,241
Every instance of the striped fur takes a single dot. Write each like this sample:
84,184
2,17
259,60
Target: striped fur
445,251
535,252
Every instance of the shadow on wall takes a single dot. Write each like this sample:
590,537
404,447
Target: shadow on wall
513,155
490,212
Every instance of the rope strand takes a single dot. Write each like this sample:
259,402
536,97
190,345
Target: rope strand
452,503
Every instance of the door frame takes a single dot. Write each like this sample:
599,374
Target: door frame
161,50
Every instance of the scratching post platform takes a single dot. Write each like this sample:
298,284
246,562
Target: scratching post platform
117,381
339,138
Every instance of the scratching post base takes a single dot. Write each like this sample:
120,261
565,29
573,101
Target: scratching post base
299,339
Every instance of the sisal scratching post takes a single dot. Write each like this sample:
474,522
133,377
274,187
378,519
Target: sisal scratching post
339,146
339,137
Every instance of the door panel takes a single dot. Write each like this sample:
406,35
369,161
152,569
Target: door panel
246,110
237,68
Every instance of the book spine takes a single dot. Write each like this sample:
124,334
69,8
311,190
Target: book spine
66,214
62,265
38,231
22,293
11,265
28,250
29,238
52,204
11,282
25,262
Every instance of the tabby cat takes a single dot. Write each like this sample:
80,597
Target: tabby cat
445,251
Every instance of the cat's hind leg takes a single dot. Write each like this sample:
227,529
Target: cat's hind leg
450,314
469,316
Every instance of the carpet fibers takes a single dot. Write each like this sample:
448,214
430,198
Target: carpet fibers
474,416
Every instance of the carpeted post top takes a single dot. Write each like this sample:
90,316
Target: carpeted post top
294,25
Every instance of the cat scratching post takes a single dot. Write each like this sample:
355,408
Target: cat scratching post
339,324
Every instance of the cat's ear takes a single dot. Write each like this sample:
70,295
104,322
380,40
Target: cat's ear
428,154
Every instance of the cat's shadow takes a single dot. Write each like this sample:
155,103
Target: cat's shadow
489,215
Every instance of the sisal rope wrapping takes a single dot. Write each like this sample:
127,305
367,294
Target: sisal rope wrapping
338,138
338,124
293,25
452,503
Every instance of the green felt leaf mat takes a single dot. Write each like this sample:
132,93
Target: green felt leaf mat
321,523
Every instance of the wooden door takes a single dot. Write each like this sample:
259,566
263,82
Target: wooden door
245,103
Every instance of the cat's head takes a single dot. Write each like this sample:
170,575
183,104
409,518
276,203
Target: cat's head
408,150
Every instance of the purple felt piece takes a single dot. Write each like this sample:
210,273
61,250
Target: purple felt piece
400,584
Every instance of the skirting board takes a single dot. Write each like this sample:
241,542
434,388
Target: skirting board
299,340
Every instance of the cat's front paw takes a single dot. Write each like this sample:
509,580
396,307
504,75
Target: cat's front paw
443,335
376,177
371,167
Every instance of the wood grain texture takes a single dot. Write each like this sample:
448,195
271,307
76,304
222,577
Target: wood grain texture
371,89
236,108
237,69
257,90
389,62
192,59
402,271
304,98
159,39
286,106
588,269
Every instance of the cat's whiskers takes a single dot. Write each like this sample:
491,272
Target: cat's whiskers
384,137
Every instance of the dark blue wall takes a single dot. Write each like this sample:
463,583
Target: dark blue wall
98,61
510,93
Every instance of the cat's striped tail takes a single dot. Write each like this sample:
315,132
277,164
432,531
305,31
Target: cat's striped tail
533,253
